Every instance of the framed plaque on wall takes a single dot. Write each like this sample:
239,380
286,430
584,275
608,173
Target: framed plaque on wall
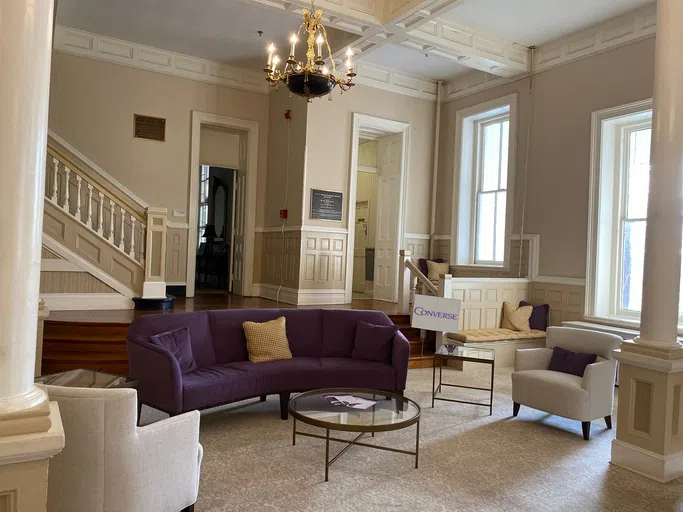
148,127
326,205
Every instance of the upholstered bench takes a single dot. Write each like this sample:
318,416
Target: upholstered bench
488,335
503,341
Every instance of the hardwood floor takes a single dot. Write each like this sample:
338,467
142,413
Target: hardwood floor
97,339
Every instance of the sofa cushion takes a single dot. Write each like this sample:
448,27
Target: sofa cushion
422,264
566,361
267,341
343,372
216,385
304,331
373,342
487,335
146,326
177,342
539,316
296,374
436,269
339,329
516,318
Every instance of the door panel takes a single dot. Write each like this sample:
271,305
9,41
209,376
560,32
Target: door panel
388,191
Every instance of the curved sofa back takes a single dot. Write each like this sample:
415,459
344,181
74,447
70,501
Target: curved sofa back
217,336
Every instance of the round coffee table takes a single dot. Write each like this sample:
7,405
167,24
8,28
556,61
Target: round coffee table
391,412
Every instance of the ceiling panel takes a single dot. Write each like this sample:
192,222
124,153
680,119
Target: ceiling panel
534,22
219,30
414,62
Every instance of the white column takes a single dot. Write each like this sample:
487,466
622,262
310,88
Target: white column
661,278
403,282
25,52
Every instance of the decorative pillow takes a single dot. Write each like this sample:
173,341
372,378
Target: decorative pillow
574,363
373,342
422,264
267,341
516,318
539,316
178,343
435,269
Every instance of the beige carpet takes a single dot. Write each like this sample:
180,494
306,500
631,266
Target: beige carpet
468,461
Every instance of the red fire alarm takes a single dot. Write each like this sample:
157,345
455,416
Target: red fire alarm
283,214
288,114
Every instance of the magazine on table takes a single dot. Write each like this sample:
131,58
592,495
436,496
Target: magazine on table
355,402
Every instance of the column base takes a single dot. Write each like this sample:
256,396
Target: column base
24,465
25,414
662,468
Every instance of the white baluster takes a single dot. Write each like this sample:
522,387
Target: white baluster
131,252
111,221
143,241
55,179
100,217
65,206
88,221
78,198
123,226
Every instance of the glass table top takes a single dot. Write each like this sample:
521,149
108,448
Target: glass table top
85,379
453,350
391,412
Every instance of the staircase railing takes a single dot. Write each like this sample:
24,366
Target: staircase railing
78,192
408,275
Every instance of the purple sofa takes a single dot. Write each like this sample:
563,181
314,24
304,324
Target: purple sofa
321,341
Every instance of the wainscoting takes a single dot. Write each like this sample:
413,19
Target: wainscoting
176,253
418,245
280,265
482,299
323,262
565,296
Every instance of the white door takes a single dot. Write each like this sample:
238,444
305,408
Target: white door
389,158
240,196
360,243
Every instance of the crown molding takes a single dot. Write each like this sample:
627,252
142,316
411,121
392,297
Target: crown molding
613,33
625,29
117,51
395,81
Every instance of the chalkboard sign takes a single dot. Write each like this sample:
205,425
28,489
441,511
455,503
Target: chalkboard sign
326,205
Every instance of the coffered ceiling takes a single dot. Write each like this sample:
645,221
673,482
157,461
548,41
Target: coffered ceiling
435,39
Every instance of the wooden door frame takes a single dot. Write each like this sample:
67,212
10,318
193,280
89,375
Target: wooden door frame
393,127
252,130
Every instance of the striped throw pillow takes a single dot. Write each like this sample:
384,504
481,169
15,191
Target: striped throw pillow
267,341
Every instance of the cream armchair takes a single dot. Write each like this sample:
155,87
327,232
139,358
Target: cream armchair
109,464
583,399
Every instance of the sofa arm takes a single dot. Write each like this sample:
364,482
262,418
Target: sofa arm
400,354
160,383
168,454
532,359
598,380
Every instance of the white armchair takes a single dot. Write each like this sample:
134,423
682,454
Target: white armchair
579,398
109,464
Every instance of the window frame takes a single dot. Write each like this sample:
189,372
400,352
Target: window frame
203,202
610,129
478,192
464,210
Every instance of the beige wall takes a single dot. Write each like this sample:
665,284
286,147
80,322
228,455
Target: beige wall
219,147
278,151
558,179
329,147
92,105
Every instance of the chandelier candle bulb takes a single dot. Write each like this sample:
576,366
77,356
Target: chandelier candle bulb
320,42
271,49
293,40
276,59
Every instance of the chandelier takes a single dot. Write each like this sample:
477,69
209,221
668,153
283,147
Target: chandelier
310,79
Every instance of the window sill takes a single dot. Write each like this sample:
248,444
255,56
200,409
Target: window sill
498,268
623,324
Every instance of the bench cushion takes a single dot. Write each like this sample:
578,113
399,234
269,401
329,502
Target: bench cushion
486,335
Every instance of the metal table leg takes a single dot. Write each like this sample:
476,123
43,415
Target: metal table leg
493,367
433,380
417,443
294,432
327,454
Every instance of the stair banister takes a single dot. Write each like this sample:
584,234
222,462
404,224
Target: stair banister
405,281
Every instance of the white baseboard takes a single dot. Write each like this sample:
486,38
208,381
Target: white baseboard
85,301
300,297
270,291
662,468
321,297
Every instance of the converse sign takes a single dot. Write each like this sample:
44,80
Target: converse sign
435,313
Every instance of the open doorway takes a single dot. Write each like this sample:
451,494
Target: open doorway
377,207
222,199
215,229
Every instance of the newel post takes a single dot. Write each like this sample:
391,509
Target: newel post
154,286
445,285
404,279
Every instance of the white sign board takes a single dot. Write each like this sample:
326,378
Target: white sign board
435,313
